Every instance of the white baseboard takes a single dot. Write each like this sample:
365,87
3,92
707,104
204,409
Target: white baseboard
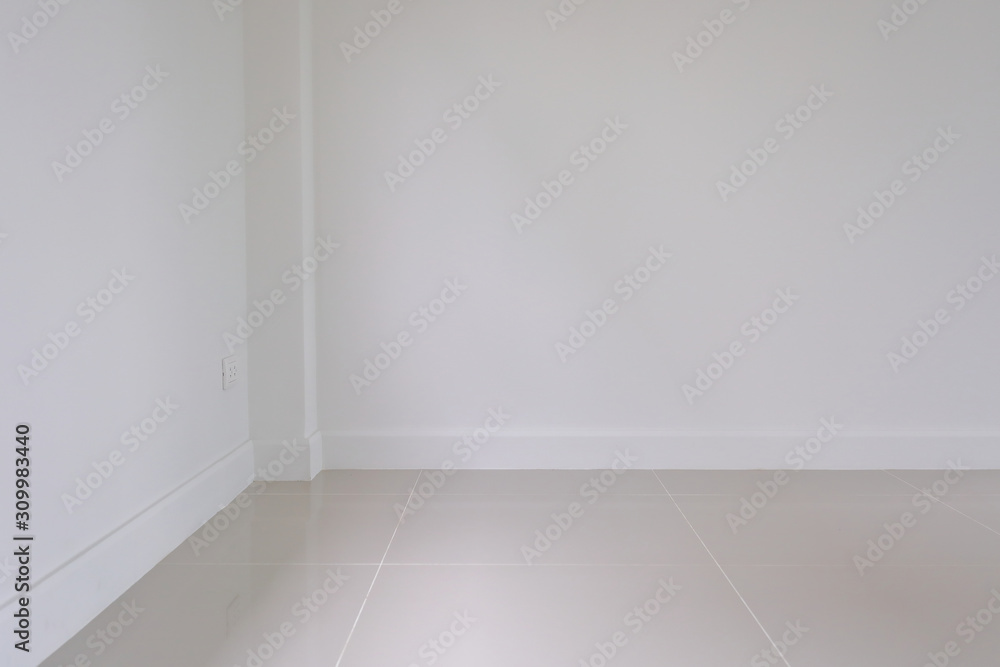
64,600
293,459
315,453
589,450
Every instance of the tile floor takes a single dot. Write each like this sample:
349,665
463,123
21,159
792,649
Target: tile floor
642,569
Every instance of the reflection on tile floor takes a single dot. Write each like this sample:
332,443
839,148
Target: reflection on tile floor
665,568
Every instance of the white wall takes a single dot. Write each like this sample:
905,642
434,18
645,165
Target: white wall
162,336
280,236
494,347
657,185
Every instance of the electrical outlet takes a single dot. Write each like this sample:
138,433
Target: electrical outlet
230,372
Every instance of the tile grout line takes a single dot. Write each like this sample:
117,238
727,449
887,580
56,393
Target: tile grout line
399,523
714,560
953,509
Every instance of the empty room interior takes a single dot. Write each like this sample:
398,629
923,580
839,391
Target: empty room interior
596,333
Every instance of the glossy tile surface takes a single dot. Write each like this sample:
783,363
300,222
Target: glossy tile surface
825,531
792,483
671,568
300,528
557,615
547,482
891,616
566,529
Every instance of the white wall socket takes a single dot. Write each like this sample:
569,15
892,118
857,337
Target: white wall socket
230,372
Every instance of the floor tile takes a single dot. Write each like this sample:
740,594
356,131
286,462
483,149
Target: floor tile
298,529
216,614
542,482
891,616
553,615
351,482
506,528
983,510
818,484
832,533
825,563
974,482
